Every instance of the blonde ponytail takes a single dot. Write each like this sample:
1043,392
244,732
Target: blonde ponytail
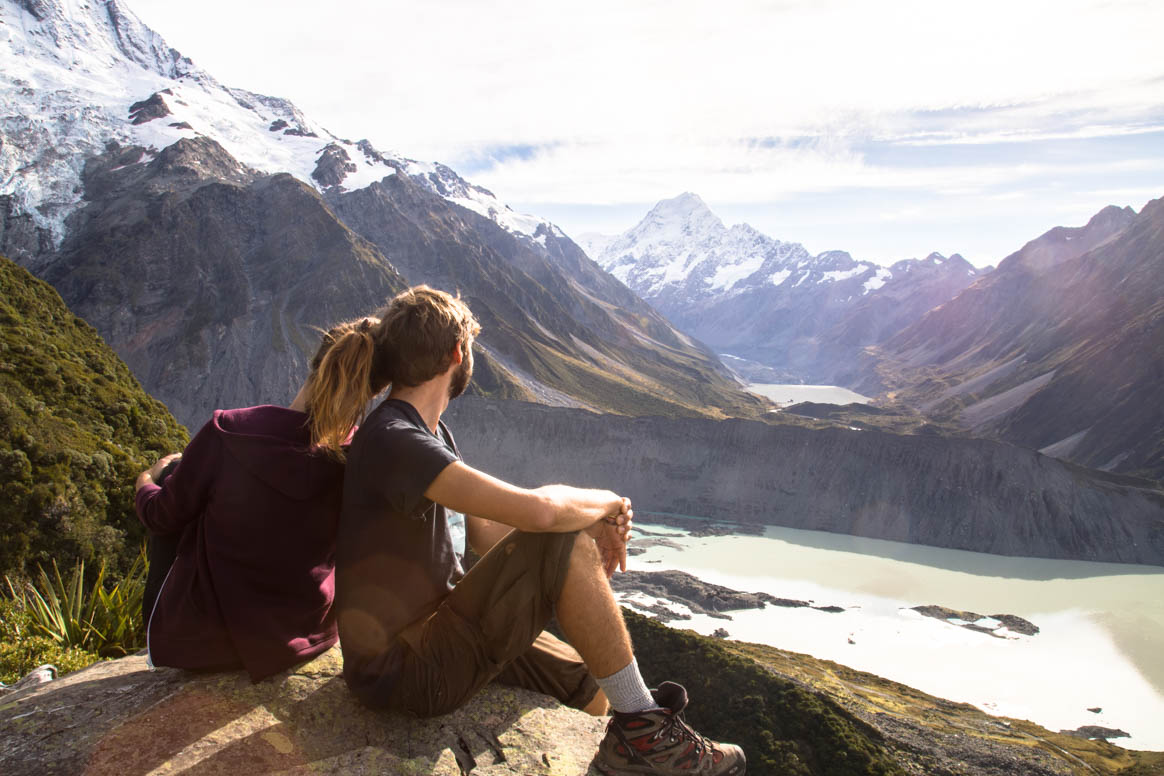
340,386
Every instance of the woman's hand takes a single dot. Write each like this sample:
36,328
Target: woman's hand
151,474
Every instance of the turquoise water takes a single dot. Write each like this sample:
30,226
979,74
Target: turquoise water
1100,645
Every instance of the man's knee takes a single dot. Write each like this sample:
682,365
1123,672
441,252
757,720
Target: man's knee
584,551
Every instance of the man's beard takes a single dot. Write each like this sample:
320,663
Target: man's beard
461,378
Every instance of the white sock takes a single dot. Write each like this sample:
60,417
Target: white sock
626,690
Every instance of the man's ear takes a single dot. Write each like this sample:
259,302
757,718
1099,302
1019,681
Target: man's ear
457,356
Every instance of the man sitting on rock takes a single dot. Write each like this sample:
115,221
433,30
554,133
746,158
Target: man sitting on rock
421,635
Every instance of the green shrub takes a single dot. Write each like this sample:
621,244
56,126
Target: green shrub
21,652
75,430
94,617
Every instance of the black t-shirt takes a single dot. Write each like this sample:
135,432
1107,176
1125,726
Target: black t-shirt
395,554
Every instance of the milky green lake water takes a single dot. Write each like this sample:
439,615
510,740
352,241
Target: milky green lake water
1100,645
792,394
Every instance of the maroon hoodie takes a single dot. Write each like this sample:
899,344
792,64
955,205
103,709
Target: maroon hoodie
253,581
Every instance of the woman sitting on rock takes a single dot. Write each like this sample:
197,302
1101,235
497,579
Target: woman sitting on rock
243,525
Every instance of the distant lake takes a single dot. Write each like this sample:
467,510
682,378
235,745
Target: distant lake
793,394
1100,645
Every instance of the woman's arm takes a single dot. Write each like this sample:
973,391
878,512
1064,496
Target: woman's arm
183,498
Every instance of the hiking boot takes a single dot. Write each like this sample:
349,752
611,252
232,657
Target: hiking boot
660,742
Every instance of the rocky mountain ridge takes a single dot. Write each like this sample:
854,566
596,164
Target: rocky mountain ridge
752,296
1061,349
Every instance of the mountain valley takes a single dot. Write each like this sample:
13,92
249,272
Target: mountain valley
1061,349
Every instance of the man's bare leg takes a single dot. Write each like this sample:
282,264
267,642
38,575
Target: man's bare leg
599,706
593,625
589,615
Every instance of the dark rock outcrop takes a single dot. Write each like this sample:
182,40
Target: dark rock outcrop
333,166
970,494
1097,732
153,107
970,620
20,238
38,8
698,596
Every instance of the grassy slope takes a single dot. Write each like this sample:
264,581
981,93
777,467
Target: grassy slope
932,735
75,429
783,727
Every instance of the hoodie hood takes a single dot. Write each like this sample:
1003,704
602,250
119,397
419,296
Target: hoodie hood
270,442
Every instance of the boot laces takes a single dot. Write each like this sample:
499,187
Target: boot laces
676,728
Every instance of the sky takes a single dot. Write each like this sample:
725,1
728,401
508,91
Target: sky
889,129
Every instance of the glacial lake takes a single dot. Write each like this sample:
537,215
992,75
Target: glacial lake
793,394
1101,625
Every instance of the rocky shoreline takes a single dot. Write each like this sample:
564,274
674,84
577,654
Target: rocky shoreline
705,598
700,597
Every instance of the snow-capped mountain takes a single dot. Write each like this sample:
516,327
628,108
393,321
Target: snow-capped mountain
206,231
77,74
750,295
681,250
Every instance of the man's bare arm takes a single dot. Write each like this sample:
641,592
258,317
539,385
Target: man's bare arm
550,508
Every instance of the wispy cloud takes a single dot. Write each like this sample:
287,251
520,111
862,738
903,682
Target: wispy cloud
431,78
742,171
776,103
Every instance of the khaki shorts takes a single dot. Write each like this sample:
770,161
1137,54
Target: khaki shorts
491,626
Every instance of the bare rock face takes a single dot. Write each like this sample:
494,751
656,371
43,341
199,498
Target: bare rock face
209,279
1058,350
121,719
968,494
20,237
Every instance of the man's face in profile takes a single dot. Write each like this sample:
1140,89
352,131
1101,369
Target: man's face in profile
462,375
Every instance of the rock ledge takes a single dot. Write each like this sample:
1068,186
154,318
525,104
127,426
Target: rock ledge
119,718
